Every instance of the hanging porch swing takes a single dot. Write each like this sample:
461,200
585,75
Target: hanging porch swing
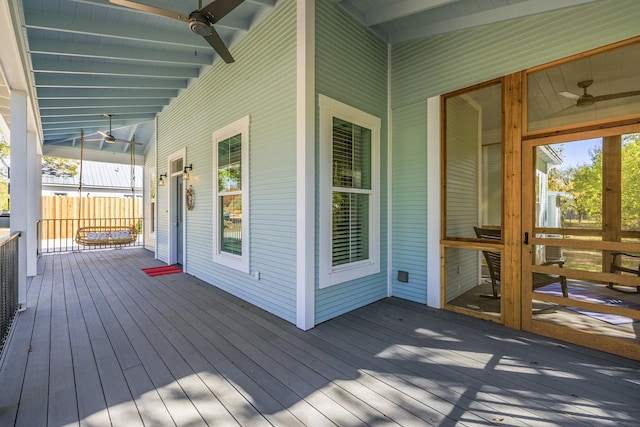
113,235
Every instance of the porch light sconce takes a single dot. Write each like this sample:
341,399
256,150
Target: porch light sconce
185,172
161,181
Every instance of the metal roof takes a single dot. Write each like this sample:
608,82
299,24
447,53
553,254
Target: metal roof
97,174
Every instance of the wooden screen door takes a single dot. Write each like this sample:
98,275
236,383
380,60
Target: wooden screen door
581,238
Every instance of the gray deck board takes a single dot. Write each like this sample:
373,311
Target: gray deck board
546,372
63,406
102,343
187,349
512,369
150,405
167,369
90,397
13,368
35,388
292,371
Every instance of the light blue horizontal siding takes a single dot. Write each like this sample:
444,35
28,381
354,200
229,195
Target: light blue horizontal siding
425,68
261,84
351,67
409,201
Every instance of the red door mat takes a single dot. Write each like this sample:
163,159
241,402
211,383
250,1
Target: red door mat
161,270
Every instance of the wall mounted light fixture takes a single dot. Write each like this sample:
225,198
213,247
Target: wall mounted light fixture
185,172
161,181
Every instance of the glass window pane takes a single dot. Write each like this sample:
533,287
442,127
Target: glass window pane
569,185
231,224
351,155
630,192
229,164
350,242
473,154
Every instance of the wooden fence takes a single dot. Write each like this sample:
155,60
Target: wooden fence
63,215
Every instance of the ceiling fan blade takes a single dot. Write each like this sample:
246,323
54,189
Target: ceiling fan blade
104,134
218,9
617,95
569,95
216,42
151,9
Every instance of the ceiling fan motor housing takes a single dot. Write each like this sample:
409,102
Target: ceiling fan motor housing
586,100
199,24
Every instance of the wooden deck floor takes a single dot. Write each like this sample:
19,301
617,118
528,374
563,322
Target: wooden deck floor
102,343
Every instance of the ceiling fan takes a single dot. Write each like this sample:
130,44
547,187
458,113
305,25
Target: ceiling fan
110,139
200,20
587,100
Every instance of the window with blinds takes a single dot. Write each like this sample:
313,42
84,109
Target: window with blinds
349,193
351,154
231,198
230,194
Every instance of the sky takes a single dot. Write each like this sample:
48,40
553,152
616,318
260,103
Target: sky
575,153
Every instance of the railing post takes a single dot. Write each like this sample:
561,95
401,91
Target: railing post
22,272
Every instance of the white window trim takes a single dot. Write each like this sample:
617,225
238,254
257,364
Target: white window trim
237,262
330,275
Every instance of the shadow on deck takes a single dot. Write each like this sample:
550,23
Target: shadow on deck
103,343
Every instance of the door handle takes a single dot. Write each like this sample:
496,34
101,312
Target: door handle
526,238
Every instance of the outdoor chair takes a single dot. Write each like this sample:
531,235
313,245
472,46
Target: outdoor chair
493,264
615,266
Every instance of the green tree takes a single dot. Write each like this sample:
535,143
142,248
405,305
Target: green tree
58,166
584,183
631,181
558,181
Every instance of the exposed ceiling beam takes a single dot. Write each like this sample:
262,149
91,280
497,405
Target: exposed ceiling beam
400,9
51,47
64,112
141,103
518,10
88,81
178,35
62,66
54,92
130,137
97,124
269,3
90,119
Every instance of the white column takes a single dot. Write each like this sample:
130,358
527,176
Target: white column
305,158
434,298
34,179
19,189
